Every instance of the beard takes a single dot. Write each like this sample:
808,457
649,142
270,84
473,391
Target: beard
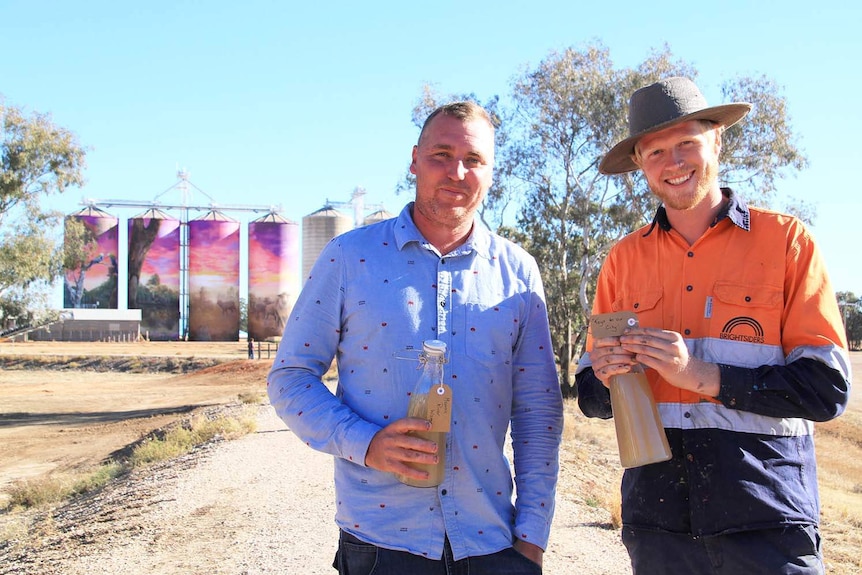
452,216
707,181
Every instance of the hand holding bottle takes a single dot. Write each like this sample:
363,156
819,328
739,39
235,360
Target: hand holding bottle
640,435
393,447
665,351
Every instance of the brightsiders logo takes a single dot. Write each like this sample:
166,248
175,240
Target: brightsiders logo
743,329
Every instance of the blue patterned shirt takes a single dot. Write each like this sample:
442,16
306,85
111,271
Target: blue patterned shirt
374,295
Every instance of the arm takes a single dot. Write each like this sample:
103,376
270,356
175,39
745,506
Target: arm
537,423
302,400
806,388
594,399
295,382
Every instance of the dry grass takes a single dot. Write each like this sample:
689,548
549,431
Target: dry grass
182,438
590,470
171,443
839,460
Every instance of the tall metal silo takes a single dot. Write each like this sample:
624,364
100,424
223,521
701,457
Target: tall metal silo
213,277
93,280
377,216
154,273
317,229
273,274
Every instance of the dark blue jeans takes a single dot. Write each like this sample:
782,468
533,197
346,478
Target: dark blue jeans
355,557
794,549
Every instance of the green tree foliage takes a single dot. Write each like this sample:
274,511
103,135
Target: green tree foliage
851,312
37,159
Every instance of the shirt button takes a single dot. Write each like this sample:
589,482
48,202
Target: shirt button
689,288
691,254
443,492
688,332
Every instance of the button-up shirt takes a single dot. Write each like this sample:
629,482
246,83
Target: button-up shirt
751,295
373,296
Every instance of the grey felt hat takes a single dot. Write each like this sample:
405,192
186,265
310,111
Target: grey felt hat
662,105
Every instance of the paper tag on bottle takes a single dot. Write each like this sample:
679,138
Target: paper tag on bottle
440,408
612,324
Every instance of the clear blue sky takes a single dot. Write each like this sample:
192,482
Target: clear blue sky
266,102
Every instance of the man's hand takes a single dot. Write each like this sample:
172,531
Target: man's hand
665,351
610,358
532,552
391,447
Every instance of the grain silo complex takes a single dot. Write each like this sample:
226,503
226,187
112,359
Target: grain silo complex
318,228
178,275
213,278
273,274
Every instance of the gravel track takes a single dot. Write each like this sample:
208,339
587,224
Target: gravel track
257,505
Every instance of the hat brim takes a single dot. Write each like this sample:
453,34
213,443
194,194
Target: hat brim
619,159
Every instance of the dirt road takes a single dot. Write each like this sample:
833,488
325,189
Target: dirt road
258,505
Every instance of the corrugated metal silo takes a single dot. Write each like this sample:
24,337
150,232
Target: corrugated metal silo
317,229
93,281
377,216
273,274
154,273
213,278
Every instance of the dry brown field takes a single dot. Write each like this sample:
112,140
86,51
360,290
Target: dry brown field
63,421
58,421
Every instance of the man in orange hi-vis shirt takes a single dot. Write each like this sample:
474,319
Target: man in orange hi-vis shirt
743,346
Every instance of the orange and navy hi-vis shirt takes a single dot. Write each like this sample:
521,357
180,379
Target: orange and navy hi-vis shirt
751,295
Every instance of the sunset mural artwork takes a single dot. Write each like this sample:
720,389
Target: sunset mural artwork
154,273
273,258
93,281
214,278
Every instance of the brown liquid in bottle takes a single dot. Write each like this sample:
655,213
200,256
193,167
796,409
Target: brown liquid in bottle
640,434
431,379
436,471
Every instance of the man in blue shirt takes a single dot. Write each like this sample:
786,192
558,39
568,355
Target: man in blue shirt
374,295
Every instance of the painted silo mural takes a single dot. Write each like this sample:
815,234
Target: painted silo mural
154,273
92,281
214,278
273,274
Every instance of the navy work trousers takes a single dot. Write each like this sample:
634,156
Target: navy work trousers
794,549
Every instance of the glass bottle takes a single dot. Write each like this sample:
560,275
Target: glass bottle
640,434
430,381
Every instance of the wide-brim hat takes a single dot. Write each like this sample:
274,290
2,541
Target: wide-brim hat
662,105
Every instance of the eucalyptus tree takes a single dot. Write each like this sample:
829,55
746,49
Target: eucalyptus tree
37,159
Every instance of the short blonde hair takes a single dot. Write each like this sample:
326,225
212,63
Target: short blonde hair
465,111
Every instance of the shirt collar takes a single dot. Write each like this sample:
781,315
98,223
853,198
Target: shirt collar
406,232
735,210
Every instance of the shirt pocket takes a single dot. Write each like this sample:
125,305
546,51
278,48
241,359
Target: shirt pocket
749,313
645,303
491,333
